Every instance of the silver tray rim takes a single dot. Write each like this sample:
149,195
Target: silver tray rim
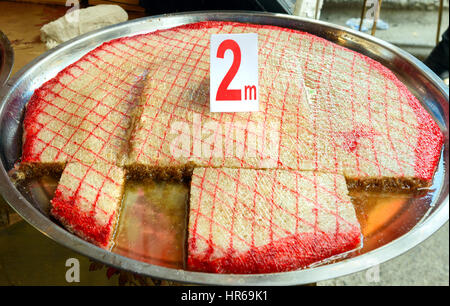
438,214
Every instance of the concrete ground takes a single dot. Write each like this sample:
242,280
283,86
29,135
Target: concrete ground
412,30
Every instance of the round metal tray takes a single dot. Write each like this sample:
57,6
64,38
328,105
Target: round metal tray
6,58
423,83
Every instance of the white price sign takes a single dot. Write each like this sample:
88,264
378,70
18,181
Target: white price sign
234,73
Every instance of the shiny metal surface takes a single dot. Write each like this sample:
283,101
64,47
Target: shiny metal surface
430,90
6,58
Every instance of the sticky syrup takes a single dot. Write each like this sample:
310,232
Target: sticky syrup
151,233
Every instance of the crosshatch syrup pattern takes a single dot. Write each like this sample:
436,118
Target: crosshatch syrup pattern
236,213
175,93
333,110
363,128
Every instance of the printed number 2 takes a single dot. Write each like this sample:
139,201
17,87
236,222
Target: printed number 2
223,93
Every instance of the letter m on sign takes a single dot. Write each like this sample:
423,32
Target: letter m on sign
248,92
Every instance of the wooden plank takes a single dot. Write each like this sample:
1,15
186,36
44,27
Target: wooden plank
24,32
53,2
